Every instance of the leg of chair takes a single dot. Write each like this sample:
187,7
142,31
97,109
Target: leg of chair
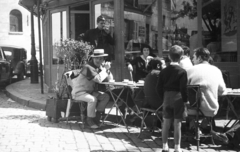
143,118
197,133
69,105
82,106
212,125
144,115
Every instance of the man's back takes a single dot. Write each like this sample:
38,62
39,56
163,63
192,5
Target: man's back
211,81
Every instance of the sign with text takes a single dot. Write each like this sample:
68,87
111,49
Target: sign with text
141,31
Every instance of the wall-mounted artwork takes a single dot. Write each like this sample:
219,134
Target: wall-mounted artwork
229,25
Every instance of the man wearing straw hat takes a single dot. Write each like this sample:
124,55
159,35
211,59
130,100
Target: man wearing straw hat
84,86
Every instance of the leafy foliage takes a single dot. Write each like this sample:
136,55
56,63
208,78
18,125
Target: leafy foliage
188,10
74,54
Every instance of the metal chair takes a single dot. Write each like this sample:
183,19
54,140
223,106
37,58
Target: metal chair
149,111
194,96
82,104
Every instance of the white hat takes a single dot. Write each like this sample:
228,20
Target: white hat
98,53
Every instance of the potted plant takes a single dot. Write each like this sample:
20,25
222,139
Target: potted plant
73,54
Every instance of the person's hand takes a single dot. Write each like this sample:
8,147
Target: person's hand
107,65
149,58
107,29
186,104
130,68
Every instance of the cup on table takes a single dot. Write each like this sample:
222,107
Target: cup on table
140,81
130,82
111,80
125,80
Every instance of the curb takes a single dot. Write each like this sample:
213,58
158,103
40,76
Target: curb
25,101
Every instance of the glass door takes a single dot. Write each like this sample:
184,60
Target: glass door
59,29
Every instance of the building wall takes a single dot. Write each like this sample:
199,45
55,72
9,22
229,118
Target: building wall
22,39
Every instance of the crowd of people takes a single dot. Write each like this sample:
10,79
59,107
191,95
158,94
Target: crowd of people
166,83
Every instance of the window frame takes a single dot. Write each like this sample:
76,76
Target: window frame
18,15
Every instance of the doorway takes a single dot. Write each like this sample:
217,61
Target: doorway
79,20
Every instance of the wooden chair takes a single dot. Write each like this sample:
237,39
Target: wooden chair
82,104
149,111
194,96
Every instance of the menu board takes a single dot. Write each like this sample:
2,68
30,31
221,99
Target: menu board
141,31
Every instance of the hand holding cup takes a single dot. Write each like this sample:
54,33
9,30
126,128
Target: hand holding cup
107,65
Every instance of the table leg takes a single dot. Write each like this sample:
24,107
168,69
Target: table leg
117,107
231,107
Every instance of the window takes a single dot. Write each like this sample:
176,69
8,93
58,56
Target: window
179,24
59,31
220,29
15,21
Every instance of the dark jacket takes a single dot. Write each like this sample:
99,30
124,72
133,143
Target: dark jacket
100,40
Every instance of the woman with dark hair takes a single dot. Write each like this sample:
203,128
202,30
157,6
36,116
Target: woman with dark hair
140,63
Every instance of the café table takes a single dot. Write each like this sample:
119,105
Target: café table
231,97
116,97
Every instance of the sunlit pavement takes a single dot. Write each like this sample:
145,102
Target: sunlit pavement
23,129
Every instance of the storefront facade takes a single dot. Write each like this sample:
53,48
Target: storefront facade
158,23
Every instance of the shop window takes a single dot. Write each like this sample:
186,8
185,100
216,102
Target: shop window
179,24
59,32
219,22
15,18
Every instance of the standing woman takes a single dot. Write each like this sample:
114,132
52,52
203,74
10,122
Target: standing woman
140,63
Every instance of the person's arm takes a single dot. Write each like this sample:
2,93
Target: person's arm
159,86
105,73
110,39
222,86
183,86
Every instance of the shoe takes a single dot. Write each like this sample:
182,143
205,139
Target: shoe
99,116
177,150
91,123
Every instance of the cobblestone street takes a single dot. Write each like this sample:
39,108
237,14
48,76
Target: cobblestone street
24,129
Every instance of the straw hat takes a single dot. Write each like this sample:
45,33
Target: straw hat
98,53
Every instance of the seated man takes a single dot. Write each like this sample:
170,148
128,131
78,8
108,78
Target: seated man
84,86
210,78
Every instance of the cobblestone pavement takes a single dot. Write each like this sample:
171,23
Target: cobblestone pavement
24,129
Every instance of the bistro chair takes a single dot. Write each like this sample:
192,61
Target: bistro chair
194,96
70,75
147,112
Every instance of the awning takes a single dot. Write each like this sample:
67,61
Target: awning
29,4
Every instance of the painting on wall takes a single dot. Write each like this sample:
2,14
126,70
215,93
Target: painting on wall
229,25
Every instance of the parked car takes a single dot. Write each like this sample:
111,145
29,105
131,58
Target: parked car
17,57
5,68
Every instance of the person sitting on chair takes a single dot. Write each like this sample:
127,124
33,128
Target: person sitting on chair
152,99
84,86
210,78
141,63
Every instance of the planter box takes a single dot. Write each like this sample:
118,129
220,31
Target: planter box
54,107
